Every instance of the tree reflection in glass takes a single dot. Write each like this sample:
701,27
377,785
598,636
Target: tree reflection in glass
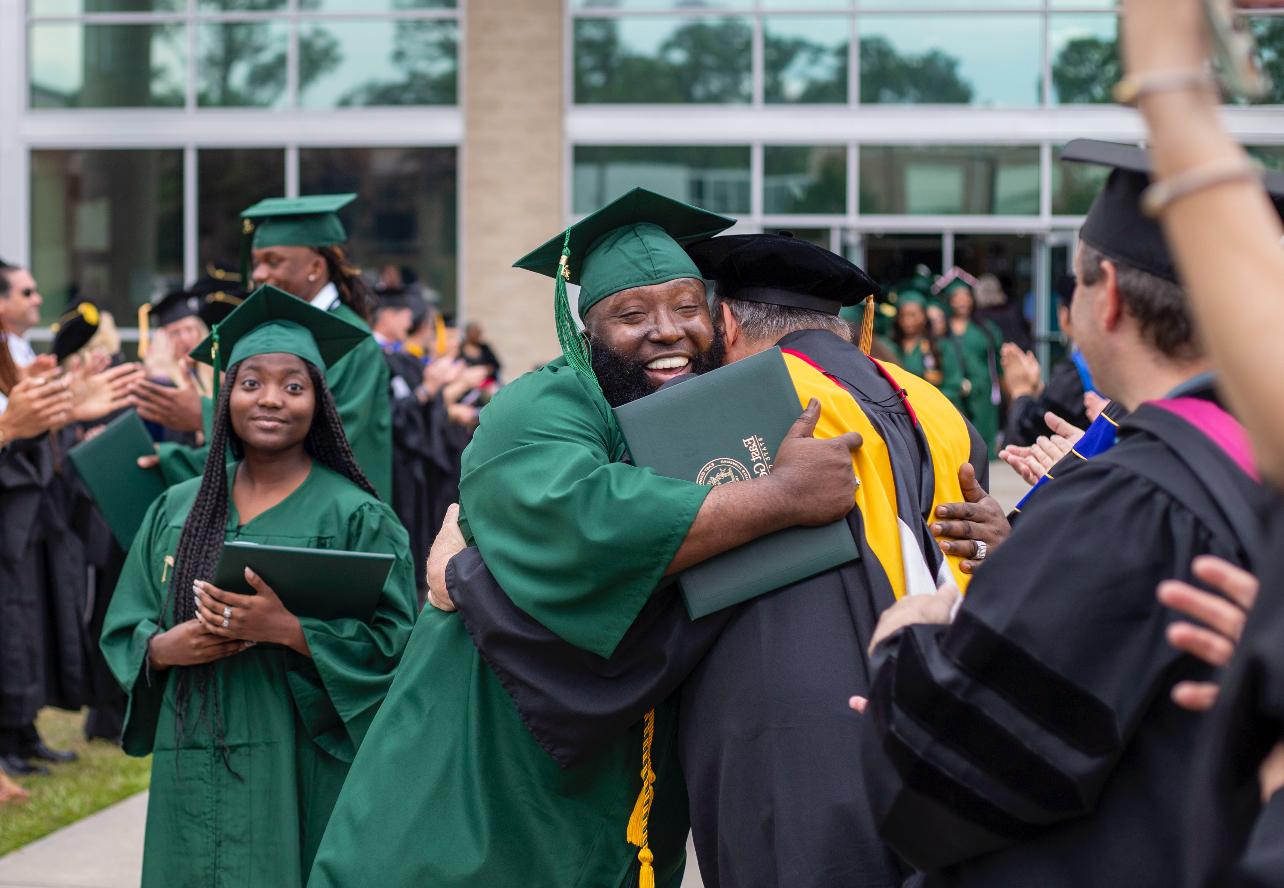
663,60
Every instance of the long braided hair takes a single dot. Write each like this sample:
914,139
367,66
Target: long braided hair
201,543
354,290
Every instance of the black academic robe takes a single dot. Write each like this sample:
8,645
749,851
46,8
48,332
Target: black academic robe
1233,839
25,470
412,451
1063,395
1033,741
763,682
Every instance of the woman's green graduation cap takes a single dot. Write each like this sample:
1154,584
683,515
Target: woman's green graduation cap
308,221
271,321
634,241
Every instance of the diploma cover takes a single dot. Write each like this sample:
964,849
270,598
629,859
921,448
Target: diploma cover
719,428
108,464
326,584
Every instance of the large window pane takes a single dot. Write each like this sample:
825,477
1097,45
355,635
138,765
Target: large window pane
78,7
1270,156
805,58
894,259
227,181
947,4
378,62
951,59
107,66
802,179
713,177
107,225
404,214
949,180
1269,33
241,64
1074,185
240,5
1085,58
663,60
374,5
670,4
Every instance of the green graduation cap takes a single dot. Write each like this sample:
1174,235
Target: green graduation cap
271,321
634,241
308,221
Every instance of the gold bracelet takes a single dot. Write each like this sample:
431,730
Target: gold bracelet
1135,87
1161,195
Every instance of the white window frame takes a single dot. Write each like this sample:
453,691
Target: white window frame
190,128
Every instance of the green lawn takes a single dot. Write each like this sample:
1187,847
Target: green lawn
103,775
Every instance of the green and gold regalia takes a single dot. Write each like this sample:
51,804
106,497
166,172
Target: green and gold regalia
450,789
292,725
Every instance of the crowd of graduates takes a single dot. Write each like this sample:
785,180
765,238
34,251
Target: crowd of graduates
60,563
1086,691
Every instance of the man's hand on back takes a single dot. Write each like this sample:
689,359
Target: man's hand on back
963,527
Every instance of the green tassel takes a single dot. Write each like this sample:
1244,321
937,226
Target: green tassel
574,346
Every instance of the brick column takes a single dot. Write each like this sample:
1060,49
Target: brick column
511,171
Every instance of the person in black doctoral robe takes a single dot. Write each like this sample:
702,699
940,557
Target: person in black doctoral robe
1032,741
768,678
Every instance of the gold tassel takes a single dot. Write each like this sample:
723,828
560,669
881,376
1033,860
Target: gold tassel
637,830
144,317
439,323
867,326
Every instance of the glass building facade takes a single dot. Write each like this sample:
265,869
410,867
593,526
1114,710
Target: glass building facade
900,132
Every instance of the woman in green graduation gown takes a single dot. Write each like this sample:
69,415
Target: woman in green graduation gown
975,346
252,713
917,351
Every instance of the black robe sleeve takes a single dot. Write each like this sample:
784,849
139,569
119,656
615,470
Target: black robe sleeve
571,700
1233,840
1023,715
1063,395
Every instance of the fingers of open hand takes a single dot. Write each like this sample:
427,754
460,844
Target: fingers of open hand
1235,583
1197,696
973,492
1065,429
1049,451
1213,648
1209,608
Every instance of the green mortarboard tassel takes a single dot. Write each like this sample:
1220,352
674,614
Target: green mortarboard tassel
574,347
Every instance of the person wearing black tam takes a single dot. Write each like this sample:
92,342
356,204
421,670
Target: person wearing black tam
1027,737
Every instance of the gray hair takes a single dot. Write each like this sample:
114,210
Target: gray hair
1159,306
766,322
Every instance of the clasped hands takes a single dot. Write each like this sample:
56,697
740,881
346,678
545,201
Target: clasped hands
227,623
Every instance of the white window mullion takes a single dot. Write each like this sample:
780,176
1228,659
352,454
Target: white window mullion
191,216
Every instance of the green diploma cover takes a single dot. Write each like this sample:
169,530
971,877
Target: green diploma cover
719,428
108,464
325,584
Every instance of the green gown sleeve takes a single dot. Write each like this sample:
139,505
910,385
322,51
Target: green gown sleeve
132,618
577,539
359,384
353,662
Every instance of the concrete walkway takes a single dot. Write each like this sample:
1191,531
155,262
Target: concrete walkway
105,850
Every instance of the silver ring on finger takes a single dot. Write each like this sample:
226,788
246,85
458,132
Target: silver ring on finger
982,549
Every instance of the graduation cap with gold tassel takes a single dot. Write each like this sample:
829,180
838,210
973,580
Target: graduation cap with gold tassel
634,241
308,221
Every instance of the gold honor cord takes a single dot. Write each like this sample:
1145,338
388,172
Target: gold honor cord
638,822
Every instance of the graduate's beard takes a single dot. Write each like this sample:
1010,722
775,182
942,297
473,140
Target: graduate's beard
624,379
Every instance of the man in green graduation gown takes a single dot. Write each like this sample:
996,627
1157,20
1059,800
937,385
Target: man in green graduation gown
450,789
296,246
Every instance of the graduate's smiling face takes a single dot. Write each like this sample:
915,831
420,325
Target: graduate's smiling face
645,336
299,271
272,402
